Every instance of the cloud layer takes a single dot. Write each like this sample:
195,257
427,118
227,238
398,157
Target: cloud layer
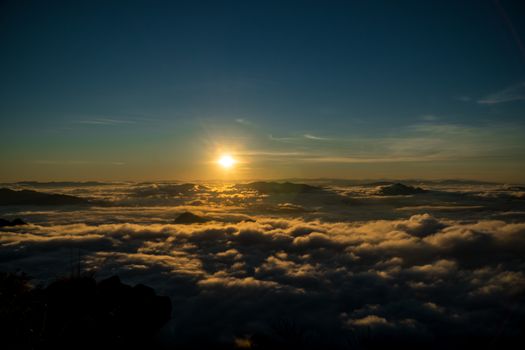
282,262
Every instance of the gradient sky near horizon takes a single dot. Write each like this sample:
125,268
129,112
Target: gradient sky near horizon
148,90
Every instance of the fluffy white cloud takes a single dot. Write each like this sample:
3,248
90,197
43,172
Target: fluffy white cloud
420,275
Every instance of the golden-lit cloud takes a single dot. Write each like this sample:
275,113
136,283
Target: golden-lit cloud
341,254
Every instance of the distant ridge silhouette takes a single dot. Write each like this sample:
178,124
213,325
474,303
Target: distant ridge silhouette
398,189
29,197
277,187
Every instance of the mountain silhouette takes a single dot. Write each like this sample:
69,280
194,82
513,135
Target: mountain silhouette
398,189
277,187
29,197
189,218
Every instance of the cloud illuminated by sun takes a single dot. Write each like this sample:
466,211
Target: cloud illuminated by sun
226,161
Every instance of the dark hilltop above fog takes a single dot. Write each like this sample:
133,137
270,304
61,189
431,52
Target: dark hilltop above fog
277,187
29,197
398,189
189,218
379,183
515,188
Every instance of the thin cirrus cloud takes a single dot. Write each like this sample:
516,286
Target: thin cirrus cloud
105,121
244,121
512,93
299,139
314,137
75,162
427,141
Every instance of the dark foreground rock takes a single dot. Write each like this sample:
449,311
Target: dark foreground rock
79,313
10,223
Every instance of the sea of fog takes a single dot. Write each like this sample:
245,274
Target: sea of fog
429,260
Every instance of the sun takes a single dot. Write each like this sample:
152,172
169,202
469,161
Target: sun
226,161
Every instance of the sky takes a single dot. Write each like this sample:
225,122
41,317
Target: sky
151,90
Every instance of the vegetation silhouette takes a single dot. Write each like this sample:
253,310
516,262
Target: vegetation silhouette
78,313
11,223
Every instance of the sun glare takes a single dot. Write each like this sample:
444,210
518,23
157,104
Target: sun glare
226,161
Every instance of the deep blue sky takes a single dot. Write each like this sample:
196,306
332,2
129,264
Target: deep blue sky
106,89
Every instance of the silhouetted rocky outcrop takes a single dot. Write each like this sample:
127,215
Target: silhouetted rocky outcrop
78,312
28,197
190,218
277,187
9,223
398,189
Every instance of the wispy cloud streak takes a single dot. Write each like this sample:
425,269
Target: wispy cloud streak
105,121
512,93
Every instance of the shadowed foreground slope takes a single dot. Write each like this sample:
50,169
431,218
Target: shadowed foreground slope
78,312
